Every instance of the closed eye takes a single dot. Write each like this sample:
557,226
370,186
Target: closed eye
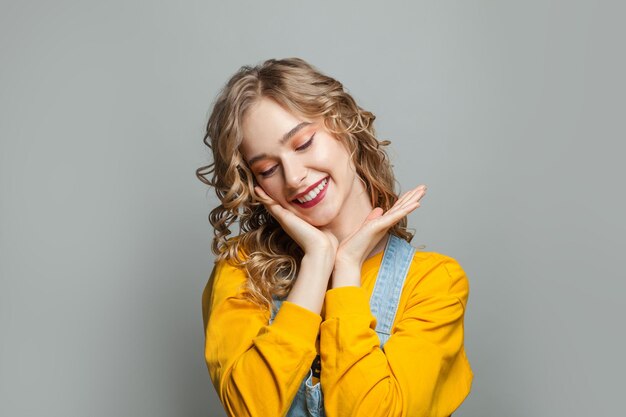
270,171
307,144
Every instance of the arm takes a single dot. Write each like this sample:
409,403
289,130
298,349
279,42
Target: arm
423,370
256,368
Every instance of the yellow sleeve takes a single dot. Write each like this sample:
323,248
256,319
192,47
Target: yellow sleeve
423,369
256,368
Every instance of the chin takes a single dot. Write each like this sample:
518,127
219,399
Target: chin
318,224
320,219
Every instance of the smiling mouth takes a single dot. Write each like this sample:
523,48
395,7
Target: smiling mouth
314,196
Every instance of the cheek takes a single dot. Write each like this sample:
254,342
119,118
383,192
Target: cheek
338,151
330,156
273,189
340,160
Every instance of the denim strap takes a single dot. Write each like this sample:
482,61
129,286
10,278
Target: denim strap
389,283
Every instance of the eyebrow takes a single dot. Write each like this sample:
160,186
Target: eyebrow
283,140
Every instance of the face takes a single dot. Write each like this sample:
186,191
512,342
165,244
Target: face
298,163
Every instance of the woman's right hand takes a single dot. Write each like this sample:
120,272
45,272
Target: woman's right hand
320,249
312,240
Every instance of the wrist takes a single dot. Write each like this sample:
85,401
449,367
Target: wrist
323,260
346,276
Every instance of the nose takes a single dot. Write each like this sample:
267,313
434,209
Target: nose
294,172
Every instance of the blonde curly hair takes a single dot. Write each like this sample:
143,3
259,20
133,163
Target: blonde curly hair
268,255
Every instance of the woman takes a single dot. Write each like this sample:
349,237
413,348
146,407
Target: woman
320,306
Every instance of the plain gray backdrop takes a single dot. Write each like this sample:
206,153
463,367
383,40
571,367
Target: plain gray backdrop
511,112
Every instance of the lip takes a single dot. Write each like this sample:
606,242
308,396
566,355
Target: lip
305,192
317,198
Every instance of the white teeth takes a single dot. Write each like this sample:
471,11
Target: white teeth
314,192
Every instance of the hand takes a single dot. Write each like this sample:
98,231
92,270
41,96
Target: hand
308,237
354,249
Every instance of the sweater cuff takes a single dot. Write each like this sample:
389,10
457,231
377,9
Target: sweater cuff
344,301
298,322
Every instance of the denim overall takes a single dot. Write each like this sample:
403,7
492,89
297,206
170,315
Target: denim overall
309,401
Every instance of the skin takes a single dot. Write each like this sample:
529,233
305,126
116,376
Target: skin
339,233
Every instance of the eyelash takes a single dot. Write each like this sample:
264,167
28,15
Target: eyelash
270,171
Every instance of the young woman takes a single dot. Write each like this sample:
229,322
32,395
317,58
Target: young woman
319,305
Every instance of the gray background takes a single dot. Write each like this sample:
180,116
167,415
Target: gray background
511,112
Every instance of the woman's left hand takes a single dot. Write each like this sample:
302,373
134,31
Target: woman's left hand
355,248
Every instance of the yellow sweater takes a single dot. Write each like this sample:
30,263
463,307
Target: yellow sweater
257,368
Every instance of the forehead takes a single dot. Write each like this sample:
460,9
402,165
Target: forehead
264,124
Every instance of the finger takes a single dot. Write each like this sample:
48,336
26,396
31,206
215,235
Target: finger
263,196
392,217
260,192
407,206
416,196
377,221
407,197
402,211
417,192
420,190
377,212
387,221
275,209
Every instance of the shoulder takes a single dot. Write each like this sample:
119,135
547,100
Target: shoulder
436,273
229,271
226,280
228,274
